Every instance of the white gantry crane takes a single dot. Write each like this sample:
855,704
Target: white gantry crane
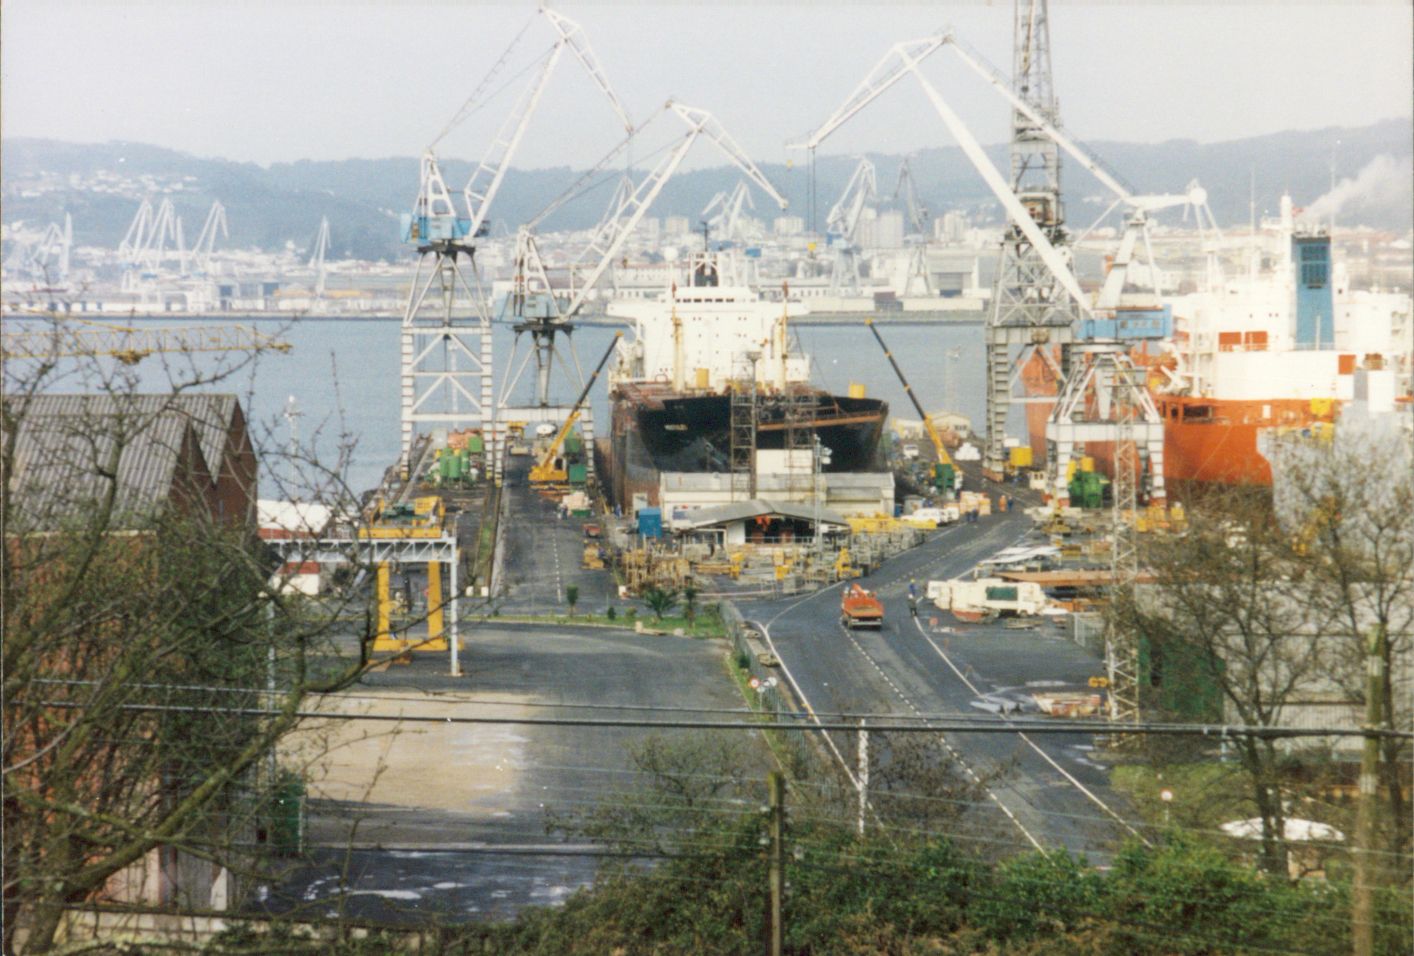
200,259
446,350
917,280
535,307
316,258
723,214
842,228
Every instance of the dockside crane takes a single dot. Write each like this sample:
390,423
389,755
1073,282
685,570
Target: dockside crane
945,471
917,238
447,357
205,245
842,227
544,316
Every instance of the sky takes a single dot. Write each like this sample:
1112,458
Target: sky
266,81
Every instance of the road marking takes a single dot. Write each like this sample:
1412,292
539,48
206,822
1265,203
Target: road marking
991,795
766,633
1031,743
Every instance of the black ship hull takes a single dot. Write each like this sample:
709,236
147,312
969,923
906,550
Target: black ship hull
656,430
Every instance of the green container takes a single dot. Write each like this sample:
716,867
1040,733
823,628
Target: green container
943,477
579,474
573,444
454,466
475,444
287,816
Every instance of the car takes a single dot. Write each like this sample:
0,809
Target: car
592,530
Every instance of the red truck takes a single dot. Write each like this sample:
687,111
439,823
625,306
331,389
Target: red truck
860,608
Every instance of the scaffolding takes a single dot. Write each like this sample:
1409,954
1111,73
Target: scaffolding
743,433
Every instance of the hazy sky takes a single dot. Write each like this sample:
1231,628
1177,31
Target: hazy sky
273,81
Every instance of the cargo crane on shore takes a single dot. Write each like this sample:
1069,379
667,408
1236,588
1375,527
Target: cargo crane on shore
916,279
535,305
842,227
723,213
202,250
447,357
316,258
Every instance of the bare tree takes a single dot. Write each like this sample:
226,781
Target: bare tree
1349,502
152,658
1228,619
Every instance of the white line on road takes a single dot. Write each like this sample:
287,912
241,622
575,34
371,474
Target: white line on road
1031,743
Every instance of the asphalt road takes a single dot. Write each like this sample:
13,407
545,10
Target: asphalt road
423,821
1050,791
543,554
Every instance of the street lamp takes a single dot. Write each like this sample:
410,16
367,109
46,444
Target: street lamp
1166,795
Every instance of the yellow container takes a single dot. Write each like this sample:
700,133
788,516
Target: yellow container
856,389
1087,463
1070,468
1321,407
1021,456
704,379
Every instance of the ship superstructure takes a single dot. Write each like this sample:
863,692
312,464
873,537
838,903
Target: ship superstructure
1273,349
712,403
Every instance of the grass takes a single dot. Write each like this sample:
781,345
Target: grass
703,627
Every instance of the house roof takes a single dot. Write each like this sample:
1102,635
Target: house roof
758,507
67,447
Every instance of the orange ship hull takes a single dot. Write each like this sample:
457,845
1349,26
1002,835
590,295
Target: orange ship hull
1206,440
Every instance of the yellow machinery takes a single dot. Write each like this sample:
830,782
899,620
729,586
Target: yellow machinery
945,473
551,467
423,519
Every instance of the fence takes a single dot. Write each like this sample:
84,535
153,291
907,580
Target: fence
772,696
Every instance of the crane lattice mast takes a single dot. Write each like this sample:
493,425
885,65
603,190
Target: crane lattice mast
1030,307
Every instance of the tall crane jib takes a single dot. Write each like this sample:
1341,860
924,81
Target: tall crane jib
447,354
945,471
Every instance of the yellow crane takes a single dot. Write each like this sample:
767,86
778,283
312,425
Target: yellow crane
551,468
66,337
945,473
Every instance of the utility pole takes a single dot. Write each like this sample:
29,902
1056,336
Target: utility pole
776,863
1362,916
863,774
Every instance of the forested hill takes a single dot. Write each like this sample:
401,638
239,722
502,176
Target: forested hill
101,185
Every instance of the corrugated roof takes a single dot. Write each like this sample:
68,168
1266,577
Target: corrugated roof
756,507
70,449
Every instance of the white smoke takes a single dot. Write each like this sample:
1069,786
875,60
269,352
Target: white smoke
1384,183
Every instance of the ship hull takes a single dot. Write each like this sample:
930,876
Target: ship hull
656,430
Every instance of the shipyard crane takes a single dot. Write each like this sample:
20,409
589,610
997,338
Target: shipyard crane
316,258
68,337
47,259
551,467
540,313
723,214
205,245
945,473
486,179
447,358
842,227
917,238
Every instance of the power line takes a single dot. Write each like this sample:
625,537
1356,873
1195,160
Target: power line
935,725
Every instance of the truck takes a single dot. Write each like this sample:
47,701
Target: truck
860,608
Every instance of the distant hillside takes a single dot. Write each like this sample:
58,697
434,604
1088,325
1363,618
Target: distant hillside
101,184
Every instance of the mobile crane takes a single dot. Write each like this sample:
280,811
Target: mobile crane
551,467
945,471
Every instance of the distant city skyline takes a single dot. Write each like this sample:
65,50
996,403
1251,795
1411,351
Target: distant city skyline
264,82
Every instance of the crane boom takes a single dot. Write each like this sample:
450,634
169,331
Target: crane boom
545,470
945,463
131,345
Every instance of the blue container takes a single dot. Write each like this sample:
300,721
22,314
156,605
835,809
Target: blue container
650,522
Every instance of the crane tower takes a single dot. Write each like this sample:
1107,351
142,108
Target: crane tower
1030,308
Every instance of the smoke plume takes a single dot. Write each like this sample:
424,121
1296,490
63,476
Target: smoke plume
1384,182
